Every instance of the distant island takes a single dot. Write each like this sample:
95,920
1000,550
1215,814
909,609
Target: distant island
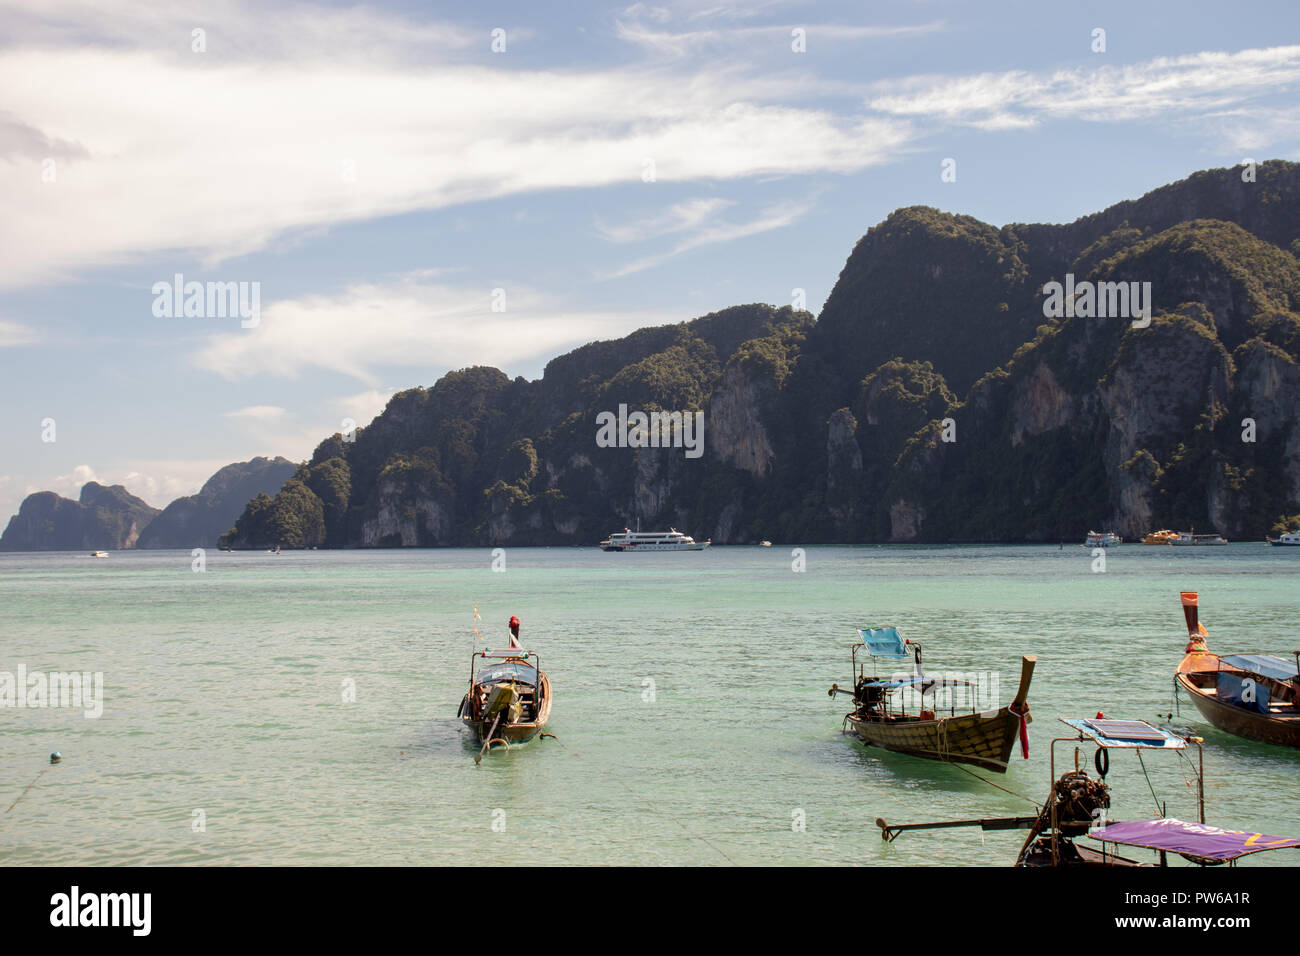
110,517
941,395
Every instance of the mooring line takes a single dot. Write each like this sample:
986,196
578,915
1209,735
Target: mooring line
25,789
998,786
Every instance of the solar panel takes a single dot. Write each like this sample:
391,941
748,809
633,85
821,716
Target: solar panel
1127,730
1125,734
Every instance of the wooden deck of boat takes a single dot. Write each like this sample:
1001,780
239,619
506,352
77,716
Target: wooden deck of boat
981,739
1276,727
523,731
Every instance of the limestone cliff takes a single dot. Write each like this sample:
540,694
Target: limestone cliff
105,518
935,398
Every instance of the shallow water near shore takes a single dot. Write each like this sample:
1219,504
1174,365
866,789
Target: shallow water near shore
691,716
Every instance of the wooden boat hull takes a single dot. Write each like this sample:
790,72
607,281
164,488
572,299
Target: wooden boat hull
1198,674
1281,729
518,733
1072,855
981,739
984,741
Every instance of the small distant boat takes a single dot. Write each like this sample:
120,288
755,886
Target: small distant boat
1189,539
1160,537
765,543
99,554
1289,539
509,699
983,738
670,540
1078,806
1256,696
275,550
1102,539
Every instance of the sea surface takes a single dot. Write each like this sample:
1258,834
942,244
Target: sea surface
691,718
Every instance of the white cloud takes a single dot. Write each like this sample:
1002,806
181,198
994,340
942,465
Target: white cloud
157,149
260,413
157,482
1166,87
749,40
13,334
1247,130
70,485
704,232
364,406
679,217
234,29
409,323
325,115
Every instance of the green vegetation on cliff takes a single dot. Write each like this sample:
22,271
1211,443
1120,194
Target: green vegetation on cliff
834,430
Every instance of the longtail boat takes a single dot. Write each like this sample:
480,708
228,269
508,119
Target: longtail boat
978,733
1256,696
1078,806
509,700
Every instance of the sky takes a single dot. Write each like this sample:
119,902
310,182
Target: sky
411,188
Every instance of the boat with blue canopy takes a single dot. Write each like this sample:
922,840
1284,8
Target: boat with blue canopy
509,697
952,718
1256,696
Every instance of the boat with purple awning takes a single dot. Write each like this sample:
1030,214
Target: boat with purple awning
1198,842
1079,805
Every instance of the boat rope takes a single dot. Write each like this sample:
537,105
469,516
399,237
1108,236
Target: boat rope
1159,809
1195,775
997,786
25,789
653,809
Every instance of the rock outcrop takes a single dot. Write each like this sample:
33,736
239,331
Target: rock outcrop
935,398
105,518
197,521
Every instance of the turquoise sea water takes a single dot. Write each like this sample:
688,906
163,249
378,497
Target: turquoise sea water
224,693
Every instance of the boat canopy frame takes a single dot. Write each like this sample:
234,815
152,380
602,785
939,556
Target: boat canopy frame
888,643
531,658
1118,734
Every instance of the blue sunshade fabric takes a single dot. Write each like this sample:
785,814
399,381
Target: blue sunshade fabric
883,641
1278,668
1242,692
927,683
509,670
896,682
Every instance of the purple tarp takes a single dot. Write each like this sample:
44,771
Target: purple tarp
1194,839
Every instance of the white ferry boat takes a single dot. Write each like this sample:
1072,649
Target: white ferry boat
670,540
1287,539
1188,539
1102,539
